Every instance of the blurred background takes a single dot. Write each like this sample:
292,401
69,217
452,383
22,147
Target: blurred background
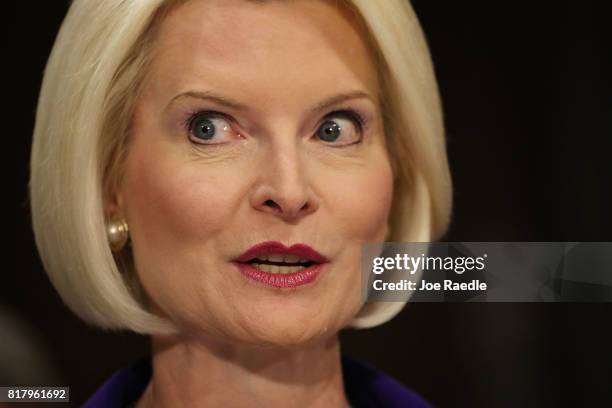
528,109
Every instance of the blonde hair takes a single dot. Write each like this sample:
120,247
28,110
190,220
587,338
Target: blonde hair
91,82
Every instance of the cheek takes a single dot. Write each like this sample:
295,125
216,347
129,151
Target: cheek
169,202
362,200
177,211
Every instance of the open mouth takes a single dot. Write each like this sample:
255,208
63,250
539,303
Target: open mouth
280,264
274,264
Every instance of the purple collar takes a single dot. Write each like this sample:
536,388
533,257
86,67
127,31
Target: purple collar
365,387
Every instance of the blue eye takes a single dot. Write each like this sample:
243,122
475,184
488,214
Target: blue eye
341,129
330,131
203,128
206,127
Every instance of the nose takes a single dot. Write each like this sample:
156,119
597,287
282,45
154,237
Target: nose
283,187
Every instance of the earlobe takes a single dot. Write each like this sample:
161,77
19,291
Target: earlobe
114,203
116,226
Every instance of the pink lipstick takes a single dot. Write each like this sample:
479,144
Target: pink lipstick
274,264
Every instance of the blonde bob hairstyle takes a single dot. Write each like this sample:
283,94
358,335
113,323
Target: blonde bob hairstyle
91,83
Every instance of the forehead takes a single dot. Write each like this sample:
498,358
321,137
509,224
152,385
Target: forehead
249,47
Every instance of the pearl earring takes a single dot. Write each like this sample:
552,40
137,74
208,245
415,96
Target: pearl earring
117,233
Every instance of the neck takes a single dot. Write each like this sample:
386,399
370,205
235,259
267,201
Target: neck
199,373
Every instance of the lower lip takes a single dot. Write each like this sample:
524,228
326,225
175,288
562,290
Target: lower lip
279,280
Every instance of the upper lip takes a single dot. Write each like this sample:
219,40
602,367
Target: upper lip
274,247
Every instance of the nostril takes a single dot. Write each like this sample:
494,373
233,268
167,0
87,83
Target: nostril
271,203
288,210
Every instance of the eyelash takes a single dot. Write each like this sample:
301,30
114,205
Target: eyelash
350,114
191,117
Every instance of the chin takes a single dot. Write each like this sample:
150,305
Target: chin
288,331
291,322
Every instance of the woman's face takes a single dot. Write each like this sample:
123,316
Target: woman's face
248,130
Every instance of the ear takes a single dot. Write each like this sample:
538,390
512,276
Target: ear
114,202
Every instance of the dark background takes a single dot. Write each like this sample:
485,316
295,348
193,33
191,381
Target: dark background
527,99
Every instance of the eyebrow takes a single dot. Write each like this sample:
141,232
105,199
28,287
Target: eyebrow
210,96
335,100
235,105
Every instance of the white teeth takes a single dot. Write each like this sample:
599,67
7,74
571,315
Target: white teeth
275,258
263,267
291,258
282,258
278,269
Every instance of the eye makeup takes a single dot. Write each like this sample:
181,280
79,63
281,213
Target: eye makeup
362,118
